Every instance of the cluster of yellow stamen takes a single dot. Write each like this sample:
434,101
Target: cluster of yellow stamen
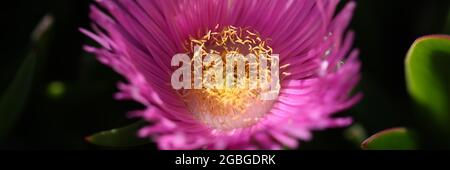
228,101
231,40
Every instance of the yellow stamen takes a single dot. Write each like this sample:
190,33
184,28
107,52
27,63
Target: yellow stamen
235,100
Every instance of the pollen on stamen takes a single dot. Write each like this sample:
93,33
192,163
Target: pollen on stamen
229,108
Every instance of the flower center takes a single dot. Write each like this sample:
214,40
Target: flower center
240,104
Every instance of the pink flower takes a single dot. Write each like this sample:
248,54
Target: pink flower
138,39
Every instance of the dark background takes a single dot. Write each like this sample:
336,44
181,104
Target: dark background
385,29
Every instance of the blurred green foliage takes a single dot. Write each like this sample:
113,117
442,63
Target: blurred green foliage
428,76
120,137
15,97
391,139
56,89
428,80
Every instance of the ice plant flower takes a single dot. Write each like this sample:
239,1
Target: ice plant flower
318,68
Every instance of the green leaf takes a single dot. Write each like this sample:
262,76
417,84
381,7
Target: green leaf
428,76
391,139
120,137
14,98
13,101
